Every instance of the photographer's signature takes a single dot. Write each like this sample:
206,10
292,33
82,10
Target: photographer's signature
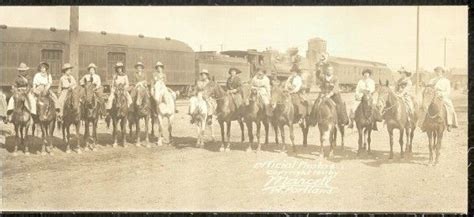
297,176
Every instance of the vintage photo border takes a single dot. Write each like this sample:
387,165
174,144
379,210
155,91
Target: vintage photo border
470,4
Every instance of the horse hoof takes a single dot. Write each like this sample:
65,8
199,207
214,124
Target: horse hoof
148,146
114,145
79,151
248,150
51,153
27,153
43,153
138,145
221,149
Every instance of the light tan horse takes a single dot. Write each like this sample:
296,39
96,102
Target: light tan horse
165,108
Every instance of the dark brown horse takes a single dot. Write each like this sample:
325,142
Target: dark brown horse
226,113
46,120
324,114
254,112
393,111
434,121
91,107
72,116
140,109
284,115
21,119
365,117
119,113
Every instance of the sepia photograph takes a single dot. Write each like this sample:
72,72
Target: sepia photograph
234,108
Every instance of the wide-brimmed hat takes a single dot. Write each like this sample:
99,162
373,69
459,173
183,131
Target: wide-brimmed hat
367,71
295,68
439,68
403,70
204,71
43,64
66,66
23,67
159,64
139,64
237,71
92,65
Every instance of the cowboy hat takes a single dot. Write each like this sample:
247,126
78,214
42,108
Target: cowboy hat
204,71
439,68
237,71
366,71
23,67
43,64
159,64
92,65
403,70
66,66
295,68
119,65
139,64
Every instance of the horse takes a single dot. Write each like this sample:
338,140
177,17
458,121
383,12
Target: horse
90,114
21,119
324,114
434,121
283,115
140,109
46,120
72,116
226,113
165,108
199,111
118,113
393,111
365,116
254,112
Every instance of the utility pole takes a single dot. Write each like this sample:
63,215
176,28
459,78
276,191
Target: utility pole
445,52
200,47
222,47
74,40
417,48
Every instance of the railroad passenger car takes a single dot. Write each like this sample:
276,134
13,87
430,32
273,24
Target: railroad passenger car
218,66
104,49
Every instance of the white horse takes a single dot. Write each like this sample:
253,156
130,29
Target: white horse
165,108
201,114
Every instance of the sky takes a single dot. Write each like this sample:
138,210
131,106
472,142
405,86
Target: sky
380,33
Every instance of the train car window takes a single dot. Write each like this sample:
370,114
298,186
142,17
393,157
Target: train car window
55,60
112,59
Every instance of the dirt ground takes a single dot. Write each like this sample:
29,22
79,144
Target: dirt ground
181,177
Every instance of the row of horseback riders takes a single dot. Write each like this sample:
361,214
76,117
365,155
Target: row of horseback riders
329,86
42,81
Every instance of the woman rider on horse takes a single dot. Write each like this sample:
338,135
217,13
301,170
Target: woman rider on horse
294,85
66,82
366,85
120,78
201,95
262,84
443,89
330,90
403,90
22,84
42,83
140,79
234,86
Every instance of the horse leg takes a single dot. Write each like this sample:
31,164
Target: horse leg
123,130
400,141
114,132
130,131
390,133
364,138
137,128
94,131
18,140
412,134
159,142
275,128
250,134
266,125
407,146
322,135
147,139
430,142
282,132
170,131
259,125
86,135
369,139
361,139
242,129
229,123
438,145
221,124
198,134
341,130
43,134
292,137
23,135
212,130
305,130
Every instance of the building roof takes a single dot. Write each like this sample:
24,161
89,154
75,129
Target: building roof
349,61
18,34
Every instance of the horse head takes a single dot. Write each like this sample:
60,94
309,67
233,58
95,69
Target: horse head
144,97
45,108
384,96
120,101
20,97
431,100
90,103
73,101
